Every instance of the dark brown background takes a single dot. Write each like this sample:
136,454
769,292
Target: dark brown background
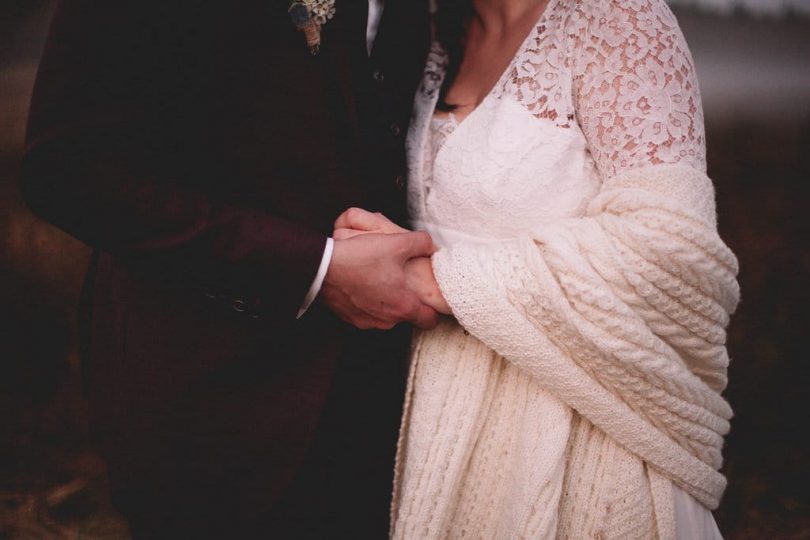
755,76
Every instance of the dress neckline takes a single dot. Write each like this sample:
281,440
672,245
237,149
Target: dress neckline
534,30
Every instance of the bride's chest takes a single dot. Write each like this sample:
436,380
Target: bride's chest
499,171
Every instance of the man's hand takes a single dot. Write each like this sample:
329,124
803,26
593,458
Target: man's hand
356,221
367,286
419,271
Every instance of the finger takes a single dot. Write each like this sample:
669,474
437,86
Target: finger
357,218
342,222
369,322
389,226
374,323
418,244
426,318
415,312
345,234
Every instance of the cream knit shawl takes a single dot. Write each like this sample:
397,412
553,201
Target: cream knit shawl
620,314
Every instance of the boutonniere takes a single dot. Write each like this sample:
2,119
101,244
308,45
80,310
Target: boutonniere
309,16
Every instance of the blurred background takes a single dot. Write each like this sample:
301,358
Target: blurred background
753,61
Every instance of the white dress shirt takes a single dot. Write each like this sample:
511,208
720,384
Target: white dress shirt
375,8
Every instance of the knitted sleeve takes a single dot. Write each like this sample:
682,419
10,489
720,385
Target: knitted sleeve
622,312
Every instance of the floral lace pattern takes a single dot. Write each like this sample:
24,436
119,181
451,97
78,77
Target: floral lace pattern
623,71
636,92
595,89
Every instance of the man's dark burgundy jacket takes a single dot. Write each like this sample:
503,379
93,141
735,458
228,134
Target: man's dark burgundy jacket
204,154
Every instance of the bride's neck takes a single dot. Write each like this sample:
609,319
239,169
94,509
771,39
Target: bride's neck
501,15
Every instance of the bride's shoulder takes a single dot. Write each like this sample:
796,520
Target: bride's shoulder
630,25
619,16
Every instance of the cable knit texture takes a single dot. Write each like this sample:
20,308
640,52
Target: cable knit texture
581,378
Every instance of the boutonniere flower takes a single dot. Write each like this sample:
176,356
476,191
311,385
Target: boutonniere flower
309,16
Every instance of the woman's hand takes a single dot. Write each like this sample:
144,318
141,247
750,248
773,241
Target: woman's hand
420,279
418,271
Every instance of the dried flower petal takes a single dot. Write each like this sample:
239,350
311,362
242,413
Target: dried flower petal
321,10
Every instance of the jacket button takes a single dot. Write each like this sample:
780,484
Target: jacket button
378,76
399,182
395,129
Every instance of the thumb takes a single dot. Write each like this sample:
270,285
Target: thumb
426,318
419,244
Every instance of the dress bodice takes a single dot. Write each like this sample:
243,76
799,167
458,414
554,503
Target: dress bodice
500,172
539,145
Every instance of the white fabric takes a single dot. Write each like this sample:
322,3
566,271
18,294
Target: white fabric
315,288
692,520
581,259
375,10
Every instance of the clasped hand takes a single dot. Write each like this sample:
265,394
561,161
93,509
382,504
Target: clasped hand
381,274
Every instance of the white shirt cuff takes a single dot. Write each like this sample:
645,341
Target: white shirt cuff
315,288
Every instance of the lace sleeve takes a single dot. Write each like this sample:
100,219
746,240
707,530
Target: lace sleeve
635,89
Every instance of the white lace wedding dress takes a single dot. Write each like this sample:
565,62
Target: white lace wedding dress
493,445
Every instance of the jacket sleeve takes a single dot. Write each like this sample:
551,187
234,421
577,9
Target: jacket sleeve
114,158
